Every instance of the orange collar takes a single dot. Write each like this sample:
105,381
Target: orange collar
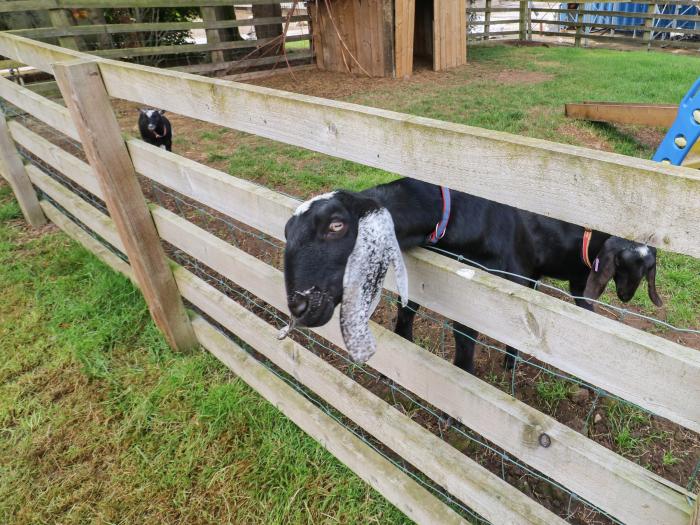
585,244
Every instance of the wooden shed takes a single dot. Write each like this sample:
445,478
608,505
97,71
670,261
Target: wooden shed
385,37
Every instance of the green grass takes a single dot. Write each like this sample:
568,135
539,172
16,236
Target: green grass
552,391
629,428
101,422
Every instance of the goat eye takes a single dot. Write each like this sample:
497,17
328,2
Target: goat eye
336,226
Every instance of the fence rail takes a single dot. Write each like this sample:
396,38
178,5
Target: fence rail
176,43
653,372
581,23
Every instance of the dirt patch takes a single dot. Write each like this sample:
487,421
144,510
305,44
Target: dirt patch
583,136
644,136
336,85
517,76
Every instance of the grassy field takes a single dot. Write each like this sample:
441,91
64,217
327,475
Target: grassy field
101,423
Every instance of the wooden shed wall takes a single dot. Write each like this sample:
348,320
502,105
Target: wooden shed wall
366,28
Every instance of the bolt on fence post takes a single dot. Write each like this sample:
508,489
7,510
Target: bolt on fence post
12,169
85,94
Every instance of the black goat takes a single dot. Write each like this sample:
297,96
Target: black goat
155,128
340,244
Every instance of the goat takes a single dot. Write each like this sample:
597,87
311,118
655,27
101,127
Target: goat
155,128
340,244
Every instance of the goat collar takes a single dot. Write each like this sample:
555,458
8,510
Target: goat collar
441,227
585,246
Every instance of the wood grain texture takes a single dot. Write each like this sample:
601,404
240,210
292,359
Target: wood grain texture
111,29
211,15
101,224
9,6
61,18
617,485
190,48
47,111
661,115
88,103
13,171
56,157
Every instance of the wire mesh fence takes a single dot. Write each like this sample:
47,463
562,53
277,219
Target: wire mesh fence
543,386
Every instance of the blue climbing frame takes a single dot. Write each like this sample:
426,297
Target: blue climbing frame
684,131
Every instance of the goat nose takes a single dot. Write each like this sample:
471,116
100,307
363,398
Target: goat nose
298,304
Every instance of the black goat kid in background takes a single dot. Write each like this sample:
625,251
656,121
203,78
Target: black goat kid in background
155,128
339,246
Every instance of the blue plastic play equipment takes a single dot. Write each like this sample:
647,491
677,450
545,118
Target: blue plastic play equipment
684,131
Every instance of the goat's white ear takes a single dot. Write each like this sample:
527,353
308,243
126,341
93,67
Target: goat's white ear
141,110
375,249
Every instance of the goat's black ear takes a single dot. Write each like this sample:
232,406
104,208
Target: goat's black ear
376,247
651,281
602,271
161,111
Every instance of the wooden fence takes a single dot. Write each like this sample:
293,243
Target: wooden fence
661,24
218,21
636,198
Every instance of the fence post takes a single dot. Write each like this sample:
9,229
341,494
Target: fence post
487,19
579,26
82,88
62,18
521,17
649,25
211,15
695,518
12,168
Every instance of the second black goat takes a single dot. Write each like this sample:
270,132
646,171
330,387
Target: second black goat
155,128
340,244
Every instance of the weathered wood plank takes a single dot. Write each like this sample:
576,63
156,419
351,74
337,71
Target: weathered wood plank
61,18
47,111
461,476
99,29
640,367
619,486
617,113
56,157
80,209
635,198
89,105
13,171
281,70
33,5
216,36
241,64
130,52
